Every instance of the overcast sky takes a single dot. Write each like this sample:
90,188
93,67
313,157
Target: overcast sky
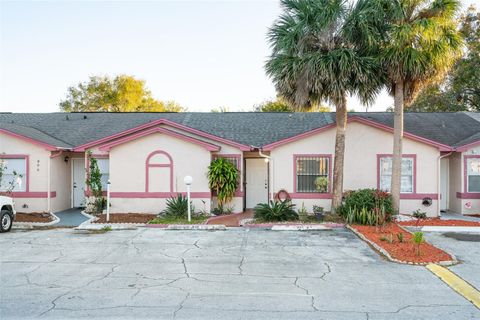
202,54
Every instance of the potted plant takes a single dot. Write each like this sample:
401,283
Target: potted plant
318,212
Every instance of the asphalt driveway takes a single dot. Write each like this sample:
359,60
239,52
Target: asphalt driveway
234,274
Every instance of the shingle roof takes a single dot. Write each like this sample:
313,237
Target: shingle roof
73,129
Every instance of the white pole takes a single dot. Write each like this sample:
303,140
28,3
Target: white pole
188,197
108,201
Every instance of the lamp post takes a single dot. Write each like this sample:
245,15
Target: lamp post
188,181
108,200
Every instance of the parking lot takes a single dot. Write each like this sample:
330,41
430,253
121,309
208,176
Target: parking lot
234,274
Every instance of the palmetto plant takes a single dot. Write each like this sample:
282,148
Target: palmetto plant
177,207
315,57
223,179
275,211
417,43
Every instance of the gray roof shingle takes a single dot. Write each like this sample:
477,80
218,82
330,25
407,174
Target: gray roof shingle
68,130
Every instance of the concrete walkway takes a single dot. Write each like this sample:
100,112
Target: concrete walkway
70,218
449,215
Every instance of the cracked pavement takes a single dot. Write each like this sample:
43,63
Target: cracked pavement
233,274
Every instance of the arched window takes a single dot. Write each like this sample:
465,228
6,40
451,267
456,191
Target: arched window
159,172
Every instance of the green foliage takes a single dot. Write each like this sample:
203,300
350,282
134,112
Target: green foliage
222,210
400,237
280,105
275,211
419,214
418,239
370,199
196,219
94,182
388,238
460,89
223,179
106,229
316,57
303,213
178,207
363,216
121,94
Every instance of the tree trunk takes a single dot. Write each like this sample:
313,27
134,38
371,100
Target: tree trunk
341,118
397,146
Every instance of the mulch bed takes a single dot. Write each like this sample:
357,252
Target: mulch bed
438,222
403,251
125,218
33,217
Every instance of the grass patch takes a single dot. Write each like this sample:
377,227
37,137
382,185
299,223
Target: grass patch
179,220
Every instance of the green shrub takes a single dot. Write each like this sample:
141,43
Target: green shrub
222,210
371,199
223,180
419,214
177,207
303,213
418,239
367,217
275,211
400,237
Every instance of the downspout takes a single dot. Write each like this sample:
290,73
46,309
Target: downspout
439,189
269,160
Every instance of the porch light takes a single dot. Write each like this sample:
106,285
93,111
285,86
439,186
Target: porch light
188,181
267,160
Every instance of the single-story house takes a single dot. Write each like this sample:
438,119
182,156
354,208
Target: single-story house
147,155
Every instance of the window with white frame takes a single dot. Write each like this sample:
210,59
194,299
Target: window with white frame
407,179
473,174
103,166
312,174
14,177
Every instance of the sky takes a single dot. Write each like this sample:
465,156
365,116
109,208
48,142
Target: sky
202,54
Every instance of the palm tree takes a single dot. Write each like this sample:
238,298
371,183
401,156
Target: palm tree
315,58
419,43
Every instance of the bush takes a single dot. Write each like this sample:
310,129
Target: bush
275,211
367,217
223,180
370,199
177,207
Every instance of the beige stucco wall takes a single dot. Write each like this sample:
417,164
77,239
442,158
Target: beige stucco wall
61,183
38,161
456,181
130,175
363,143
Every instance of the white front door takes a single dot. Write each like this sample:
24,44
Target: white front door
444,172
256,182
78,185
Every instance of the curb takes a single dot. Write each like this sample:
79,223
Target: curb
302,227
32,225
100,226
391,259
460,229
206,227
